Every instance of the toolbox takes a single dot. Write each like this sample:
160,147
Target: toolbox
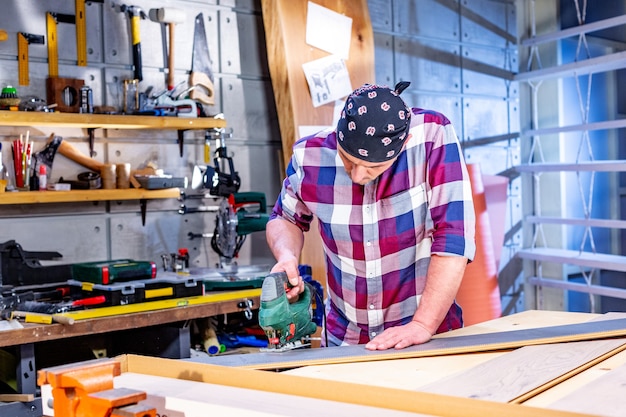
115,294
173,286
109,272
139,291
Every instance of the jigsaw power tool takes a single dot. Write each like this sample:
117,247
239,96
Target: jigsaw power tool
285,324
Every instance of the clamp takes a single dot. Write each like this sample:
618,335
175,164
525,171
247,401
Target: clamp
85,389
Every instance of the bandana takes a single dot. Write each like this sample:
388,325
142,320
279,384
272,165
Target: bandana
374,123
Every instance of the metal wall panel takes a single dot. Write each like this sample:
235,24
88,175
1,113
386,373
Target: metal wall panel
431,66
77,238
460,57
435,19
234,31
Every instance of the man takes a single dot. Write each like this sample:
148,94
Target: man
393,199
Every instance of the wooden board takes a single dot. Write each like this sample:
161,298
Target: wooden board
359,394
412,374
577,382
179,398
285,35
439,346
604,397
287,50
520,374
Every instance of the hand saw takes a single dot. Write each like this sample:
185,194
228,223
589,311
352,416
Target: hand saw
201,77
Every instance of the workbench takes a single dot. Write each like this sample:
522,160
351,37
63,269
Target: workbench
425,386
26,339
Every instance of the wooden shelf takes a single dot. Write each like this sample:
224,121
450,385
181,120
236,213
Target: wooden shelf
74,196
106,121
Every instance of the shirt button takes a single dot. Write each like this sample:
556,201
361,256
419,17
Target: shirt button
372,306
369,243
373,334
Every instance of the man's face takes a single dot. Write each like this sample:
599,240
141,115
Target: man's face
360,171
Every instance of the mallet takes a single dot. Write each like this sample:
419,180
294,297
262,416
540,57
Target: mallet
171,17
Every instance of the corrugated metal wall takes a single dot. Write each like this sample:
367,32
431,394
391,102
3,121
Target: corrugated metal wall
460,57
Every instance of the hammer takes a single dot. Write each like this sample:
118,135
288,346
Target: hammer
170,16
135,14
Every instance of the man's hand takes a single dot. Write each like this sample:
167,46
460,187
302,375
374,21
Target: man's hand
290,267
400,337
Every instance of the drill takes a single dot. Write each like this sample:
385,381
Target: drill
284,323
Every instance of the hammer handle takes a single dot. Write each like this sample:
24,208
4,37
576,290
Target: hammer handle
70,151
170,58
136,40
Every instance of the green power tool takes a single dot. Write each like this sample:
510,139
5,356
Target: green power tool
287,325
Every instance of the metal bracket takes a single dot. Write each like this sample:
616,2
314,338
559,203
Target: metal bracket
247,306
181,141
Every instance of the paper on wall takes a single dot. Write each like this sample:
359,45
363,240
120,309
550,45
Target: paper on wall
328,30
328,79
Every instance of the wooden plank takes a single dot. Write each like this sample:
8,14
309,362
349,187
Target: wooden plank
440,346
586,378
285,36
524,372
174,397
605,396
106,121
74,196
287,50
371,396
415,373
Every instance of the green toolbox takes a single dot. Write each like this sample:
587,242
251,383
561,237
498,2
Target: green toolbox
109,272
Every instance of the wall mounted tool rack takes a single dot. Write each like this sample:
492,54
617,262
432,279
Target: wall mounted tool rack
107,121
102,121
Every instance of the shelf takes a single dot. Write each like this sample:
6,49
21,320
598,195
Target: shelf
74,196
106,121
572,257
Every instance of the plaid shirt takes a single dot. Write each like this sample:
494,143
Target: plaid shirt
378,238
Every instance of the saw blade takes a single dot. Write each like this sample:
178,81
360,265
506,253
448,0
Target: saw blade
201,60
226,239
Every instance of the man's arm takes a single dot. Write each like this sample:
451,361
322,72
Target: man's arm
286,240
443,279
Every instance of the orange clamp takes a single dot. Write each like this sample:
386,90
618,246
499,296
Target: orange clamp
86,389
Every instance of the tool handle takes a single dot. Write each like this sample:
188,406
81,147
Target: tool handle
70,151
170,58
136,40
90,301
203,90
57,318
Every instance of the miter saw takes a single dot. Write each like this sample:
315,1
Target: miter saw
238,215
286,325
